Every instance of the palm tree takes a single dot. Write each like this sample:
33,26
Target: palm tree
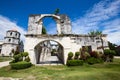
92,34
99,34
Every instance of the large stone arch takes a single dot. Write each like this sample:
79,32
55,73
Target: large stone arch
39,48
32,40
49,15
35,23
56,18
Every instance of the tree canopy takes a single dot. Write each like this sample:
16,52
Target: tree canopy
95,33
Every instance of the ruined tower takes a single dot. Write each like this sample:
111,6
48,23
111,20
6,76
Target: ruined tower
11,41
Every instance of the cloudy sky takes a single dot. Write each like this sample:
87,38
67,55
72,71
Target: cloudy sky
85,15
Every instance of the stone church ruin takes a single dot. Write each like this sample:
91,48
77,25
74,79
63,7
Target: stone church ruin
50,49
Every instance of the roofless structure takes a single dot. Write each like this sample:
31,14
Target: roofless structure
40,47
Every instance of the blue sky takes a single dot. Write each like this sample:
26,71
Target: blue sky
85,15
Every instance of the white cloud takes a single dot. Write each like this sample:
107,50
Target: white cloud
7,24
102,16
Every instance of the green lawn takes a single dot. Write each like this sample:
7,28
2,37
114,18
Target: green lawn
5,58
105,71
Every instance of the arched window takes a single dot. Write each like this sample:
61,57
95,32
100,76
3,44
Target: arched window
10,33
16,34
9,40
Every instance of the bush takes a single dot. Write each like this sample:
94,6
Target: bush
112,52
94,54
77,55
107,51
25,54
20,65
87,55
109,55
74,62
17,57
84,55
70,55
93,60
27,59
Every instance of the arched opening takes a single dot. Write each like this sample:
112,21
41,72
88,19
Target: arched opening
49,52
50,25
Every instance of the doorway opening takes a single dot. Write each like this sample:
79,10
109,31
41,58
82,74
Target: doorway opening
49,52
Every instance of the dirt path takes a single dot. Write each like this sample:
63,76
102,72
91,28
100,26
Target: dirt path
9,78
116,56
2,64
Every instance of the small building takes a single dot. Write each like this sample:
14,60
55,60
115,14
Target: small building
1,43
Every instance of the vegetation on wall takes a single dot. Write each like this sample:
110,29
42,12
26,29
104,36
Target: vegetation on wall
44,30
57,11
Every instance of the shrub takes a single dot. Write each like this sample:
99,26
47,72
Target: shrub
100,54
70,55
94,54
93,60
20,65
107,51
27,59
17,57
84,55
112,52
109,55
74,62
25,54
77,55
87,55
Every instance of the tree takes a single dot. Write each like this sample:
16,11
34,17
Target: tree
98,34
70,55
56,11
92,34
95,33
112,46
77,55
17,51
13,51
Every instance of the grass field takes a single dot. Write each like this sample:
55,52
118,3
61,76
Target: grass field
105,71
5,58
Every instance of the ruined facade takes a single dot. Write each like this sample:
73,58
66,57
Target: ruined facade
35,23
38,46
